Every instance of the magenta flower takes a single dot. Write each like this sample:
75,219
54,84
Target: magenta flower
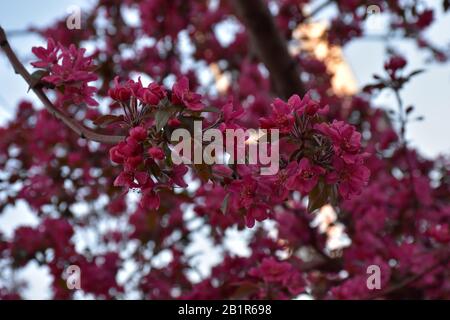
281,117
138,133
177,175
346,140
305,177
152,95
182,96
272,271
47,56
350,177
307,106
156,153
120,92
69,70
150,200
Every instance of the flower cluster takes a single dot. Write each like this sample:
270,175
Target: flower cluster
319,160
141,153
68,70
399,221
328,152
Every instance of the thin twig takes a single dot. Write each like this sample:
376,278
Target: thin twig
78,128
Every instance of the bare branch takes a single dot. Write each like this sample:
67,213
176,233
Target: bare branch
270,46
77,127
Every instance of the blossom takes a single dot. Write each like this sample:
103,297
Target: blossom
27,241
305,176
138,133
150,199
307,106
47,56
350,177
181,95
271,270
246,193
425,18
156,153
281,117
177,175
395,63
245,190
440,232
153,94
346,140
120,92
68,69
131,179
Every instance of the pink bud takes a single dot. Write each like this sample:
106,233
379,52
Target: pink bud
156,153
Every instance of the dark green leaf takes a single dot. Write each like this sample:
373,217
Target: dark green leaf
162,116
415,72
211,109
318,197
36,77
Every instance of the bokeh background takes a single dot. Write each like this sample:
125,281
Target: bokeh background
429,93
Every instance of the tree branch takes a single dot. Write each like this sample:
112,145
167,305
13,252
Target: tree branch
77,127
411,279
270,46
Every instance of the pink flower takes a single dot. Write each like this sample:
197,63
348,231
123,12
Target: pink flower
120,92
305,177
156,153
131,179
153,94
257,212
246,194
272,271
351,177
182,96
115,153
138,133
150,200
278,182
281,117
47,56
307,106
27,241
244,191
346,140
68,69
425,19
440,232
395,63
124,91
177,175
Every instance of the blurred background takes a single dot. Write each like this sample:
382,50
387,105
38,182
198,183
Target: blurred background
429,92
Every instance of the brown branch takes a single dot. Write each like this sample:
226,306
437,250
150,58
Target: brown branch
270,46
77,127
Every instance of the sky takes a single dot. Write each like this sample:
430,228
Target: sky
428,92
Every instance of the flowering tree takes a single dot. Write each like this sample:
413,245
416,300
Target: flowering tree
94,158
